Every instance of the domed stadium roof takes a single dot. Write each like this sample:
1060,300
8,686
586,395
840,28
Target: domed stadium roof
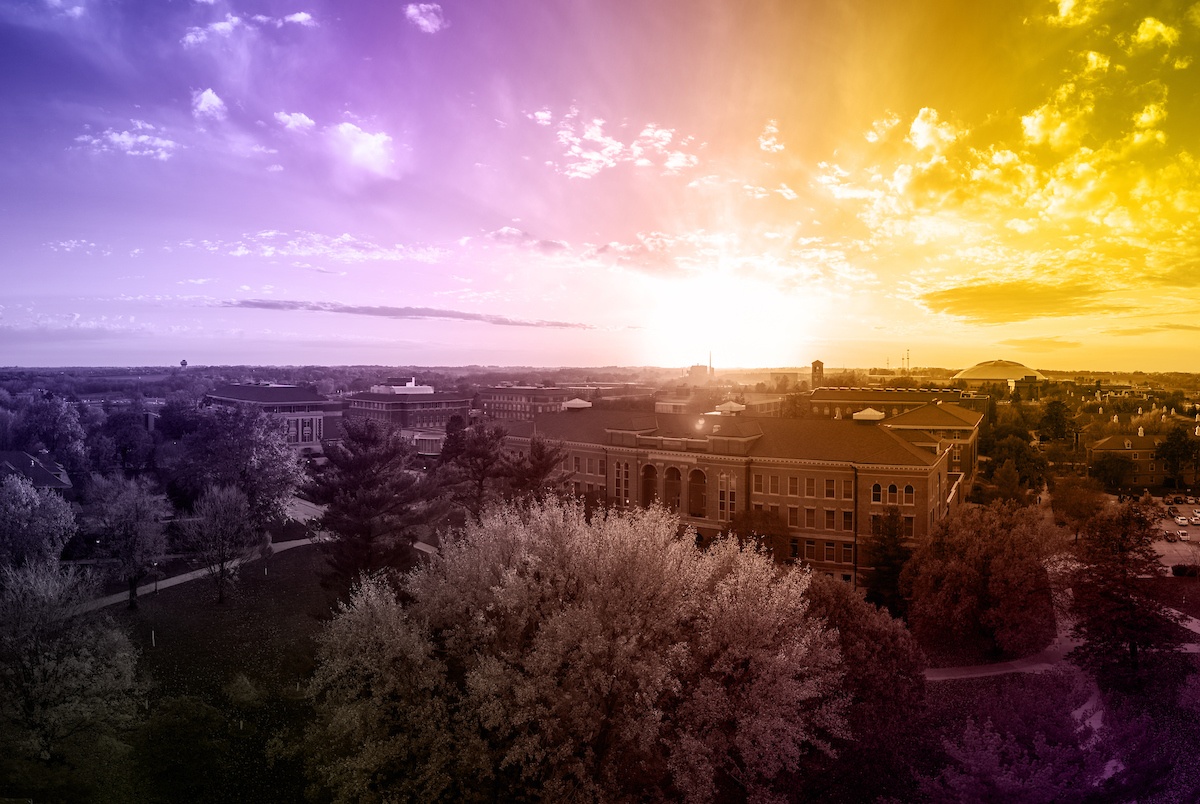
998,371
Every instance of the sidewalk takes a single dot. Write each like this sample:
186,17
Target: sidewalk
165,583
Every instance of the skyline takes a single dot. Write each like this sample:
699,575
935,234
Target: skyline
600,183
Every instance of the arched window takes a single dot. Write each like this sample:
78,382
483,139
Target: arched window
892,494
672,484
649,484
908,495
697,494
876,493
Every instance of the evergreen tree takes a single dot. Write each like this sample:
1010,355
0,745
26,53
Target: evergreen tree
883,557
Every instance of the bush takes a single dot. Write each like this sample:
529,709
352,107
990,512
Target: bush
1185,570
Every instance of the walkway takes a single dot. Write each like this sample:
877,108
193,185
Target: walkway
165,583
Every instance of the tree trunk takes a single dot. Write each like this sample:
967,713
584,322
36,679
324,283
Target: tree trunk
132,593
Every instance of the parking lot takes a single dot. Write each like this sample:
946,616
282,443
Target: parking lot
1183,551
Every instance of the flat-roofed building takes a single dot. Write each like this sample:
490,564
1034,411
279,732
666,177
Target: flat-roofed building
830,481
841,403
409,410
310,418
520,402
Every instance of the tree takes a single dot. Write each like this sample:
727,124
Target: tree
1075,501
34,524
243,447
51,423
481,460
67,688
374,504
1114,615
883,556
1056,421
1029,463
132,534
1008,482
544,658
1177,452
456,439
885,684
762,529
1112,468
981,577
131,441
223,536
538,473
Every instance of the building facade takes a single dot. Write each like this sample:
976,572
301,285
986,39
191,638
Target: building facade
521,403
311,420
415,411
1146,470
841,403
830,481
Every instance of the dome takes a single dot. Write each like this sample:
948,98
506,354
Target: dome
997,371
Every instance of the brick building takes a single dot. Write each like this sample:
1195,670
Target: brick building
521,403
828,480
310,418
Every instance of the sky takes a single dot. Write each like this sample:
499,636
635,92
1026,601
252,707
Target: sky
600,182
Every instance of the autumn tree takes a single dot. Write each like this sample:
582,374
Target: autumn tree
885,684
1178,452
33,524
68,692
1112,468
1056,423
246,448
374,503
52,424
883,556
545,658
765,529
1075,501
223,536
132,535
1114,614
981,577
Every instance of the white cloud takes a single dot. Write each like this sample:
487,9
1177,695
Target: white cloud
301,18
205,103
542,117
130,144
275,168
591,150
196,36
1150,32
295,121
882,126
371,152
927,133
767,140
426,16
787,192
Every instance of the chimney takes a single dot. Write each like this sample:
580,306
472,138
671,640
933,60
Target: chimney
1141,432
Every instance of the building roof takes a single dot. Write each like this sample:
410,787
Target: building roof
32,469
885,395
1135,442
837,441
266,394
998,371
408,399
936,416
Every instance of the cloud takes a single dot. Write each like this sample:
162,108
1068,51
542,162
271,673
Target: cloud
767,140
1151,32
369,152
926,133
787,192
205,103
397,313
1002,302
295,121
1051,344
589,150
426,16
882,126
344,248
130,144
197,35
1126,332
301,18
511,236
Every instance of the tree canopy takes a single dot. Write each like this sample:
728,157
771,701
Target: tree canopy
545,658
34,524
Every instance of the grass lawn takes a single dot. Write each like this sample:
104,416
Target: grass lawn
264,631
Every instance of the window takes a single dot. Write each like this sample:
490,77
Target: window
810,487
775,510
847,553
847,520
578,491
830,488
591,466
908,495
576,463
892,494
847,489
795,548
758,484
909,526
810,549
732,500
830,551
603,468
830,519
810,517
845,577
721,499
793,517
793,487
758,506
1135,456
774,484
876,523
590,488
876,493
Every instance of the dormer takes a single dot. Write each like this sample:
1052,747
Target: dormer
1128,444
1141,432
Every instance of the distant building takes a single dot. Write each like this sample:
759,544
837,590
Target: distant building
408,405
1003,372
42,472
310,418
521,403
839,403
817,379
1146,471
829,481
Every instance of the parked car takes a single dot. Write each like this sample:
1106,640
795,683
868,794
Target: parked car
1191,500
1178,500
1181,520
1183,535
1194,520
1173,511
1171,537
